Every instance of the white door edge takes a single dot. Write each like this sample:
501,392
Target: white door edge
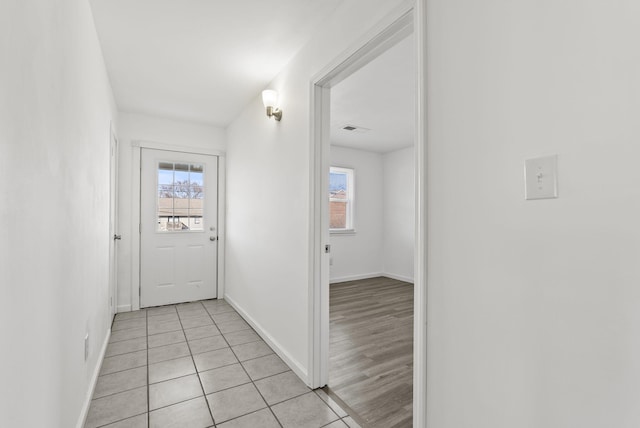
113,221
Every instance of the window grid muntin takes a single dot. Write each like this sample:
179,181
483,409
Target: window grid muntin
180,181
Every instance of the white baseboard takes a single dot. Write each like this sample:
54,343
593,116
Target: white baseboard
355,277
398,277
92,385
286,357
123,308
370,275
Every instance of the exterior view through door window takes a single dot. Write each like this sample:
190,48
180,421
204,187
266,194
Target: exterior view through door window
180,196
340,199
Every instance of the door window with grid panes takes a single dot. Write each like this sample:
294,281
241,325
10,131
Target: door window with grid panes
180,196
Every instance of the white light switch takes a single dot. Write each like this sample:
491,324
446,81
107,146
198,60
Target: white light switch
541,178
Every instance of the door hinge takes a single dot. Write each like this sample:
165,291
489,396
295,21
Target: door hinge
327,248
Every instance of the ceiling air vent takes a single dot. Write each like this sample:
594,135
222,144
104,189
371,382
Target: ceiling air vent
353,128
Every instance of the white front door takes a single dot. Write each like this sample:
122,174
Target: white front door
178,227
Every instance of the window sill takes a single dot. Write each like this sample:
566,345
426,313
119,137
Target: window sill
342,231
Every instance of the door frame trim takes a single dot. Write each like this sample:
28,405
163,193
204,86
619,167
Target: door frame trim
114,180
387,32
136,248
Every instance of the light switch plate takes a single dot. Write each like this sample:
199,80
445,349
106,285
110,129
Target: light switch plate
541,178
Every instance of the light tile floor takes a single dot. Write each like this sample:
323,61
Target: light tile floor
200,365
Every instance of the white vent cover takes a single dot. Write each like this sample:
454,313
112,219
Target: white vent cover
354,128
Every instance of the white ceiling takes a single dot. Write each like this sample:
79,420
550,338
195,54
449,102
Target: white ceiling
205,60
380,97
200,60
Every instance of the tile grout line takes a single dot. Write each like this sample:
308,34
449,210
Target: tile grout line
177,402
123,370
128,338
234,354
119,420
195,367
119,392
224,389
110,395
93,398
197,373
269,406
249,376
342,407
178,343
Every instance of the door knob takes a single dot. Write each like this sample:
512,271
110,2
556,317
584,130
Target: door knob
212,238
117,237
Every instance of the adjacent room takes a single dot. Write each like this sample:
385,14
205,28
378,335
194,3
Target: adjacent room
371,216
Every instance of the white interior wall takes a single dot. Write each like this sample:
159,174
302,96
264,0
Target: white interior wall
138,127
383,244
533,316
359,255
267,269
398,213
55,113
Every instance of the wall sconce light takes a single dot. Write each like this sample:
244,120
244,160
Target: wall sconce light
270,100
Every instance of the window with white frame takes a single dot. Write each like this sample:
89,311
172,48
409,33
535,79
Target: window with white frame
341,199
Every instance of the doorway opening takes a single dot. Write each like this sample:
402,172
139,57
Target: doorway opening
372,237
395,29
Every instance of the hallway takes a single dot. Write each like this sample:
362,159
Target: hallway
200,365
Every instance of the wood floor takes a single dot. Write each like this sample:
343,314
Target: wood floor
371,350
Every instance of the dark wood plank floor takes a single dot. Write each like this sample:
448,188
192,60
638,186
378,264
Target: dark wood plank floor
371,349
